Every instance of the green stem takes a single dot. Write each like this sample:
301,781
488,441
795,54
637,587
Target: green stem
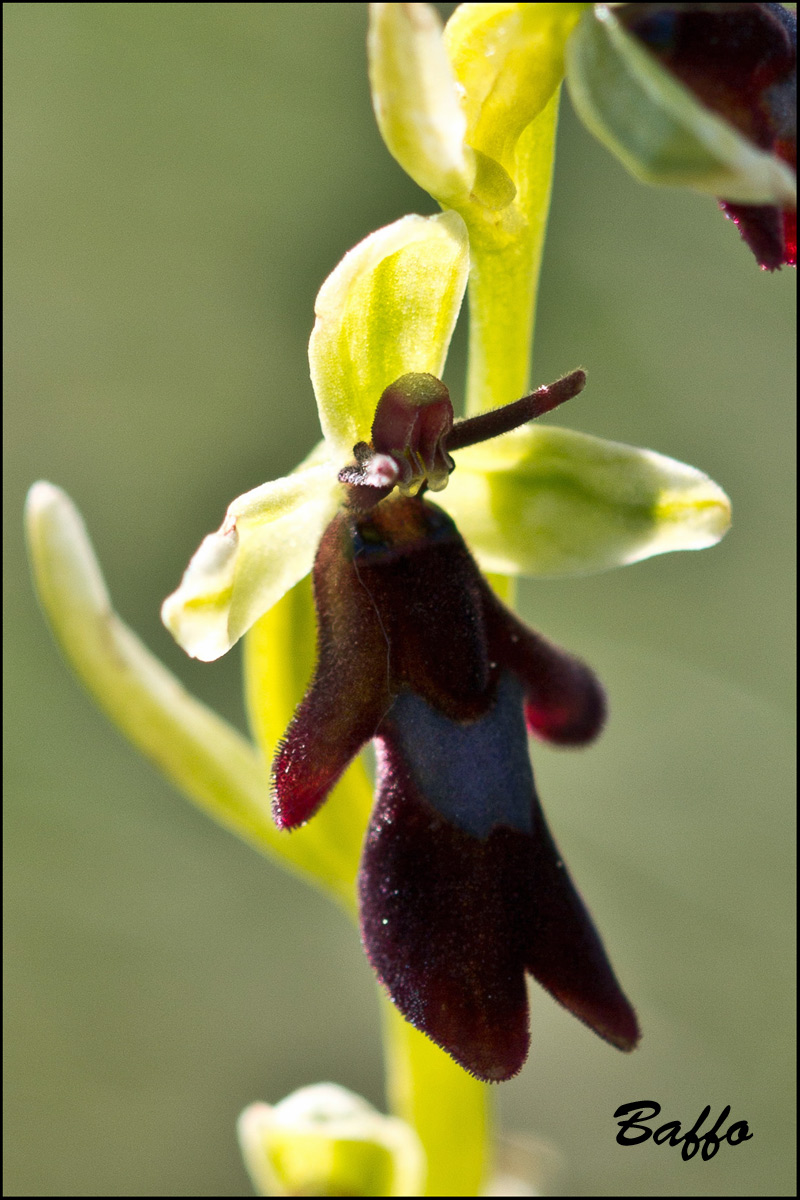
506,251
448,1108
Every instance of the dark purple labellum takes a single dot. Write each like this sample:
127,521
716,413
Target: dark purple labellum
739,60
462,889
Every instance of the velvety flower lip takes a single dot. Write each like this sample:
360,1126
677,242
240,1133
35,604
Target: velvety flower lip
451,921
462,889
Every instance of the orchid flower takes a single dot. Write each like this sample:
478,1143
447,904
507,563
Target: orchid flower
413,649
461,886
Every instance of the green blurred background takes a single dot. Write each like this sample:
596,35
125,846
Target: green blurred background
181,178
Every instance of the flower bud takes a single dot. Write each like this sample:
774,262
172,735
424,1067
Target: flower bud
325,1141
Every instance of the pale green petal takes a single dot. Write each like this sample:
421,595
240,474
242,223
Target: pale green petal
387,309
324,1140
415,100
449,1108
508,60
546,501
655,125
265,544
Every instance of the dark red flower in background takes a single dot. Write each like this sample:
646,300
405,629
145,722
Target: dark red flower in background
739,60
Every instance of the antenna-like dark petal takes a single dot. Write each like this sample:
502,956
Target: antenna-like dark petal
348,693
564,700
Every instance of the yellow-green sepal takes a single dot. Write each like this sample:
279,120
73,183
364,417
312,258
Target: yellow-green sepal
387,309
265,544
415,100
654,124
545,501
324,1140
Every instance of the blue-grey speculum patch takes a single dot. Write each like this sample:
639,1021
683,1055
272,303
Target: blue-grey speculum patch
477,775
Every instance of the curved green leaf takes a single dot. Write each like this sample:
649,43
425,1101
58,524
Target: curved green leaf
203,755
